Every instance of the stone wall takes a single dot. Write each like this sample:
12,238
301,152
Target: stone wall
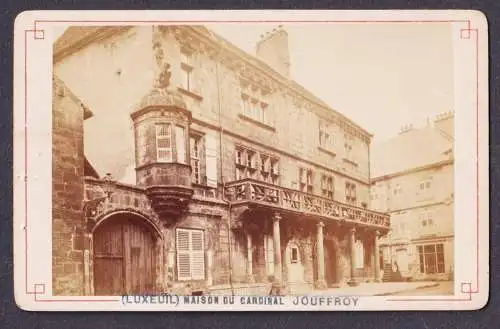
68,229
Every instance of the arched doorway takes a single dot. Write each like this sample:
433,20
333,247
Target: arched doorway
124,256
294,264
331,262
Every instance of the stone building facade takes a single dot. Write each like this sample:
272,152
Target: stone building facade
201,167
417,190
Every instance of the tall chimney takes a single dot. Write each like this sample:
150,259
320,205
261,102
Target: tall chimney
273,49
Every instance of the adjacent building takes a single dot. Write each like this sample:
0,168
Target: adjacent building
412,180
195,166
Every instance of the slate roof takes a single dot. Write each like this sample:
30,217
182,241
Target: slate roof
412,149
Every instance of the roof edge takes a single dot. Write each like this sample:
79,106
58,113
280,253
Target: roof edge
411,170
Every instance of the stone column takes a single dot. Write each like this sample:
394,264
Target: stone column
250,277
376,253
320,257
277,248
352,248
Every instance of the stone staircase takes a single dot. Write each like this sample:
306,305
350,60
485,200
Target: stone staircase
390,275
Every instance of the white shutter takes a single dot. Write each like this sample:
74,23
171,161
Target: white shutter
197,255
190,254
180,144
183,254
211,160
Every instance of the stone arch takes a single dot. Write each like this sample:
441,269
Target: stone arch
150,221
294,269
138,241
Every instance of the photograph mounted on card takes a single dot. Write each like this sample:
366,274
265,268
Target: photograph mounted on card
221,160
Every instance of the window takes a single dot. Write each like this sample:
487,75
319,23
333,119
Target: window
425,184
195,144
180,144
350,193
275,171
294,255
425,188
246,163
254,108
397,189
431,258
306,180
163,143
264,164
186,71
348,144
190,254
325,135
427,222
327,186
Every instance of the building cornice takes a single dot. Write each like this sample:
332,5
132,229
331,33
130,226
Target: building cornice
412,170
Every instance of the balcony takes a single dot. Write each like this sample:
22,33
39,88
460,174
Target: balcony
256,193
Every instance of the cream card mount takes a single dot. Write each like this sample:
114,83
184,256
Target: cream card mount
251,160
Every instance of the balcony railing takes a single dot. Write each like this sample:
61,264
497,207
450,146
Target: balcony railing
256,192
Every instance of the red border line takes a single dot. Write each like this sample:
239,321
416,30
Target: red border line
35,30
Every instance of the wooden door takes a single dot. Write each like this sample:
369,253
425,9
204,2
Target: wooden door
124,257
330,263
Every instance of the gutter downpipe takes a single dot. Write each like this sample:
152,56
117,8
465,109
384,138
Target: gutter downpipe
228,202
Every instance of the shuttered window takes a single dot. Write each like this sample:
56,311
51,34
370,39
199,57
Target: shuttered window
211,160
190,254
180,144
163,142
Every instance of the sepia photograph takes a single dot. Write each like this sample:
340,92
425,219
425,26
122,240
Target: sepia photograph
251,160
212,160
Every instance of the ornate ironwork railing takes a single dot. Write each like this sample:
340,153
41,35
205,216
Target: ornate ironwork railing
249,190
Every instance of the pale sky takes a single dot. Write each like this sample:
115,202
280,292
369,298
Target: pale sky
382,76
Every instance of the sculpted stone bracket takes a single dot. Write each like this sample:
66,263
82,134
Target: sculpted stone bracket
237,216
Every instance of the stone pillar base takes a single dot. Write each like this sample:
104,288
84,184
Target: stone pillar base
320,284
353,283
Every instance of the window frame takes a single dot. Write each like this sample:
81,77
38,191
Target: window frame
167,136
431,261
195,142
187,69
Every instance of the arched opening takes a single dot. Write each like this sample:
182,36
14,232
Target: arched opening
294,263
124,256
331,262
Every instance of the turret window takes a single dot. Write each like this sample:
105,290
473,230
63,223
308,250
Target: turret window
164,142
171,143
180,144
